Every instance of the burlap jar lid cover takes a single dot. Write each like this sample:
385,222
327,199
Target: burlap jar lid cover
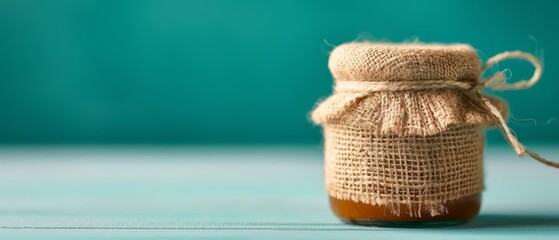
363,71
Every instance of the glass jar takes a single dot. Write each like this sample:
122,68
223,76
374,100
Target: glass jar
403,139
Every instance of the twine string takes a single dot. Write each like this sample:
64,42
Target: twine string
498,82
495,82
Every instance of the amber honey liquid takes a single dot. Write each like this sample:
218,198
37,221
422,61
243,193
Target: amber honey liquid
459,211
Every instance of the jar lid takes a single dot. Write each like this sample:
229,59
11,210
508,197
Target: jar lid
421,112
366,61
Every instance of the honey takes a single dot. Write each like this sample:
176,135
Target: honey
458,212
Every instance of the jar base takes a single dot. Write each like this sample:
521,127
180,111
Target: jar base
403,224
458,212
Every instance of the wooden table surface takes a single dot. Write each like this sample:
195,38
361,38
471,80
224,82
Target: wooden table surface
235,193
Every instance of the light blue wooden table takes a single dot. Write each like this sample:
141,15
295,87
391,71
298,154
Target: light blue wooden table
235,193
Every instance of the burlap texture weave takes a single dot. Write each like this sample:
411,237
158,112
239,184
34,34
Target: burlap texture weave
418,148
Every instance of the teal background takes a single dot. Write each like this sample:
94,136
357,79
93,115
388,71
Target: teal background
232,72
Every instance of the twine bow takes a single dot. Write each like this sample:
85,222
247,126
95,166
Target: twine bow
496,82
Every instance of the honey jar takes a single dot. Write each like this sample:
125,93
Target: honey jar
404,131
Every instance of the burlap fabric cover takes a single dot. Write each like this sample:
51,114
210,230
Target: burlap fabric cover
415,149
